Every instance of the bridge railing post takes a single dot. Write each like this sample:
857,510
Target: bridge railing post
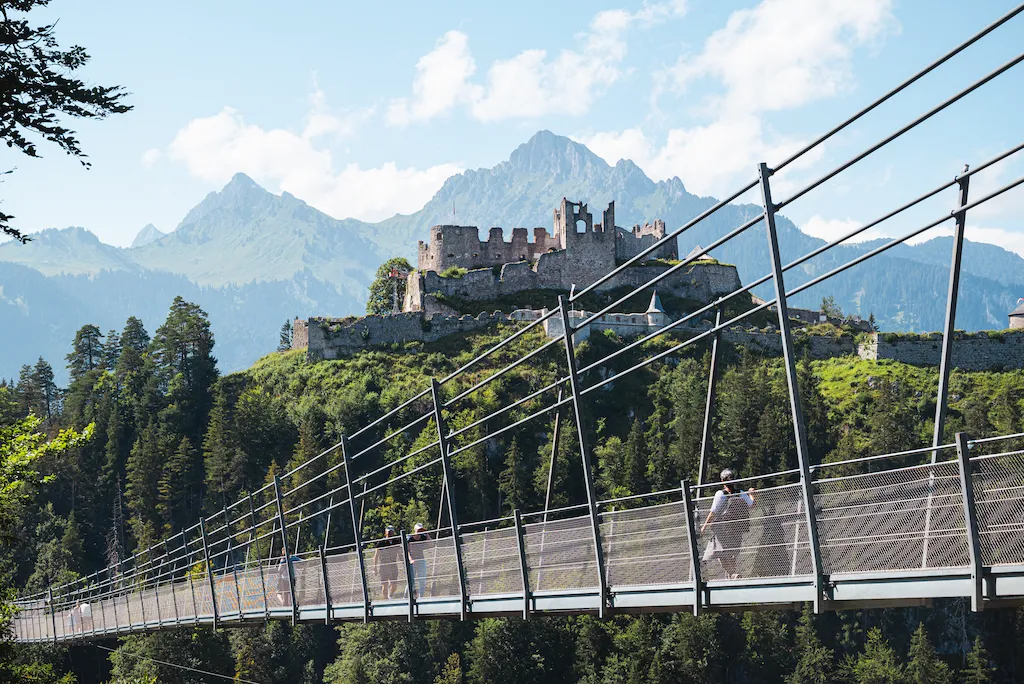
209,571
53,615
191,582
327,589
789,361
709,406
971,522
691,537
449,486
357,532
284,549
588,475
409,584
521,547
946,356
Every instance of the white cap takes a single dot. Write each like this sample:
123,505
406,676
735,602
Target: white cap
418,527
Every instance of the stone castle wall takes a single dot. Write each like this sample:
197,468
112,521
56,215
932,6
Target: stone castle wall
701,282
332,338
971,351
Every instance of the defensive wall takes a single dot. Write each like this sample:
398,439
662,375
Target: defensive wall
332,338
700,281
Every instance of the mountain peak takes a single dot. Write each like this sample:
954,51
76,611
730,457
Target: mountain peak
241,180
546,152
148,234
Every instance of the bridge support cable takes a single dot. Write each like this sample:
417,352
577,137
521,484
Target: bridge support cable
209,576
284,549
523,568
554,454
971,522
789,362
581,432
946,358
448,485
357,531
691,538
709,406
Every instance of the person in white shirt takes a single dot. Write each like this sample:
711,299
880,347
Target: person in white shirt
730,515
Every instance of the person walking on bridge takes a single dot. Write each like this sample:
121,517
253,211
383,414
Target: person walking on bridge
385,564
730,513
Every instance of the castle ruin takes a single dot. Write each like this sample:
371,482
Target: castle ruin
575,254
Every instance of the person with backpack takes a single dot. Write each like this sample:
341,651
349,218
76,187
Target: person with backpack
386,563
730,512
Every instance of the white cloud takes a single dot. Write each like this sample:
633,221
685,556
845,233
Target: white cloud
216,147
531,83
150,157
833,229
779,55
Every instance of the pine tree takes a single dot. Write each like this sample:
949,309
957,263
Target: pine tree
634,462
977,670
877,664
284,340
87,351
175,488
924,666
111,350
767,655
814,662
134,336
27,392
513,482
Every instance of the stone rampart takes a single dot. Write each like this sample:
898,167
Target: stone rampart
979,351
700,282
332,338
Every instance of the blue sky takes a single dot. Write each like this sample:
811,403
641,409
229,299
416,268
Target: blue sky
363,110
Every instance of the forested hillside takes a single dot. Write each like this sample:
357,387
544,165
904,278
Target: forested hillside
173,439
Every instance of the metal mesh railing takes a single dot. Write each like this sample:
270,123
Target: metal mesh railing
560,555
899,519
491,560
999,498
646,546
762,538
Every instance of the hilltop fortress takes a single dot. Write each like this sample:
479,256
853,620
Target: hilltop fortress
575,254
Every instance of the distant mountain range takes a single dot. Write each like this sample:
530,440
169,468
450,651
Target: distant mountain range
253,259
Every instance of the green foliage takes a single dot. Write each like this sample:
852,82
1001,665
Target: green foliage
383,288
454,272
519,651
977,669
923,665
39,90
814,662
878,664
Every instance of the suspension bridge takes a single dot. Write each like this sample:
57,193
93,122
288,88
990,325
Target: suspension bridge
942,521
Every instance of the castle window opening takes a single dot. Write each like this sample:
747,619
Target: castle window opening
451,255
580,222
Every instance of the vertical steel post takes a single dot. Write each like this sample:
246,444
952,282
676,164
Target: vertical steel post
789,360
554,454
156,595
174,598
588,476
209,571
947,331
408,575
449,483
521,545
234,579
284,549
709,406
971,520
53,615
327,527
327,589
113,602
357,531
946,357
259,561
191,586
691,536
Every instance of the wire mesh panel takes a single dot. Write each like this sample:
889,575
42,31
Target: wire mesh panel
183,597
204,600
434,569
560,554
491,560
134,607
227,596
385,571
881,521
250,588
149,598
309,582
999,499
646,546
343,578
750,536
